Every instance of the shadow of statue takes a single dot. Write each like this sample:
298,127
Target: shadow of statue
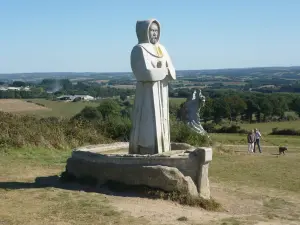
88,185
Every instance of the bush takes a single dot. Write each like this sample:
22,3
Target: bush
109,107
181,132
276,131
233,129
22,131
116,127
40,104
209,127
88,113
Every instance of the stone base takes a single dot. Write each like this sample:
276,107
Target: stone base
184,169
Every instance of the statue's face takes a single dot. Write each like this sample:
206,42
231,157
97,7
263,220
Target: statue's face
153,33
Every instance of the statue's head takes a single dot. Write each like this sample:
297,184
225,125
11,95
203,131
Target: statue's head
148,31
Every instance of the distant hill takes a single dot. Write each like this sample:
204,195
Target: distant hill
290,72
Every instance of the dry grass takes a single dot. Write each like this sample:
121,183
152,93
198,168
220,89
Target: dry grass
59,108
123,86
252,187
20,131
16,105
25,201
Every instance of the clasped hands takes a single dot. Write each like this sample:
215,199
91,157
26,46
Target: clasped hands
159,64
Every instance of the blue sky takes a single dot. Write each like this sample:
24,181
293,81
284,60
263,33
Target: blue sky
98,35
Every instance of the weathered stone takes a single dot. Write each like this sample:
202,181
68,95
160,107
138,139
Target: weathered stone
169,171
162,177
153,69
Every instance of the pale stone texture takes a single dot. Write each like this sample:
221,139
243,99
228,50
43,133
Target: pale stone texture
190,111
181,170
153,69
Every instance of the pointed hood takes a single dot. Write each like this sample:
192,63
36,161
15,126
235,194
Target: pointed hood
142,30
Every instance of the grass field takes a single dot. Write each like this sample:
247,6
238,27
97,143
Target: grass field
17,105
178,100
267,140
25,201
124,86
252,188
52,108
59,109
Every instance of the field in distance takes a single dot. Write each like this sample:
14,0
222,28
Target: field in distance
47,108
43,107
17,105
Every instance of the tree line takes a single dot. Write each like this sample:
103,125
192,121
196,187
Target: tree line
250,106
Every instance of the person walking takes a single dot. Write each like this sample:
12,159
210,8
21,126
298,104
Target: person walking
251,141
257,140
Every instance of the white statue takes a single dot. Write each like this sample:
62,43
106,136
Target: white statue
153,69
190,111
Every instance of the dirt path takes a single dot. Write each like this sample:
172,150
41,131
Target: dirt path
243,205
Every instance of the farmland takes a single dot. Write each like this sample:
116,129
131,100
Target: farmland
55,108
19,106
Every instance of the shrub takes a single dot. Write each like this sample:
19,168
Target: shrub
40,104
209,127
116,127
181,132
22,131
109,107
276,131
231,129
88,113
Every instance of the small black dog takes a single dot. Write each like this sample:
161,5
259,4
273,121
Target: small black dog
282,149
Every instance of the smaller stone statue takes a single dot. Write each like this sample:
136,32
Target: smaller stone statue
190,111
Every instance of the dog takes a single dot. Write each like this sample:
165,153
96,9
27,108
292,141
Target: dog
282,149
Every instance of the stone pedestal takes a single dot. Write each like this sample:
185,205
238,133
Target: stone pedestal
184,170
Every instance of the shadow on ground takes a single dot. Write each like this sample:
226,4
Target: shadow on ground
112,188
55,182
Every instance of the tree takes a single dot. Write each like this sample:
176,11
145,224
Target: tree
109,107
18,84
208,110
266,108
252,107
123,96
89,113
279,105
220,110
295,105
236,105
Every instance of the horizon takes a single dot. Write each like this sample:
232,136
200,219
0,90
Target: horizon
77,37
233,68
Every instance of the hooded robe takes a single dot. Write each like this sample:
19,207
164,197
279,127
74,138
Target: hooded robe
150,133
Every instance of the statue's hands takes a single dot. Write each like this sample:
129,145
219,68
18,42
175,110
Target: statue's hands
159,64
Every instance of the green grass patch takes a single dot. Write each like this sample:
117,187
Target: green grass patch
267,140
264,170
266,128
